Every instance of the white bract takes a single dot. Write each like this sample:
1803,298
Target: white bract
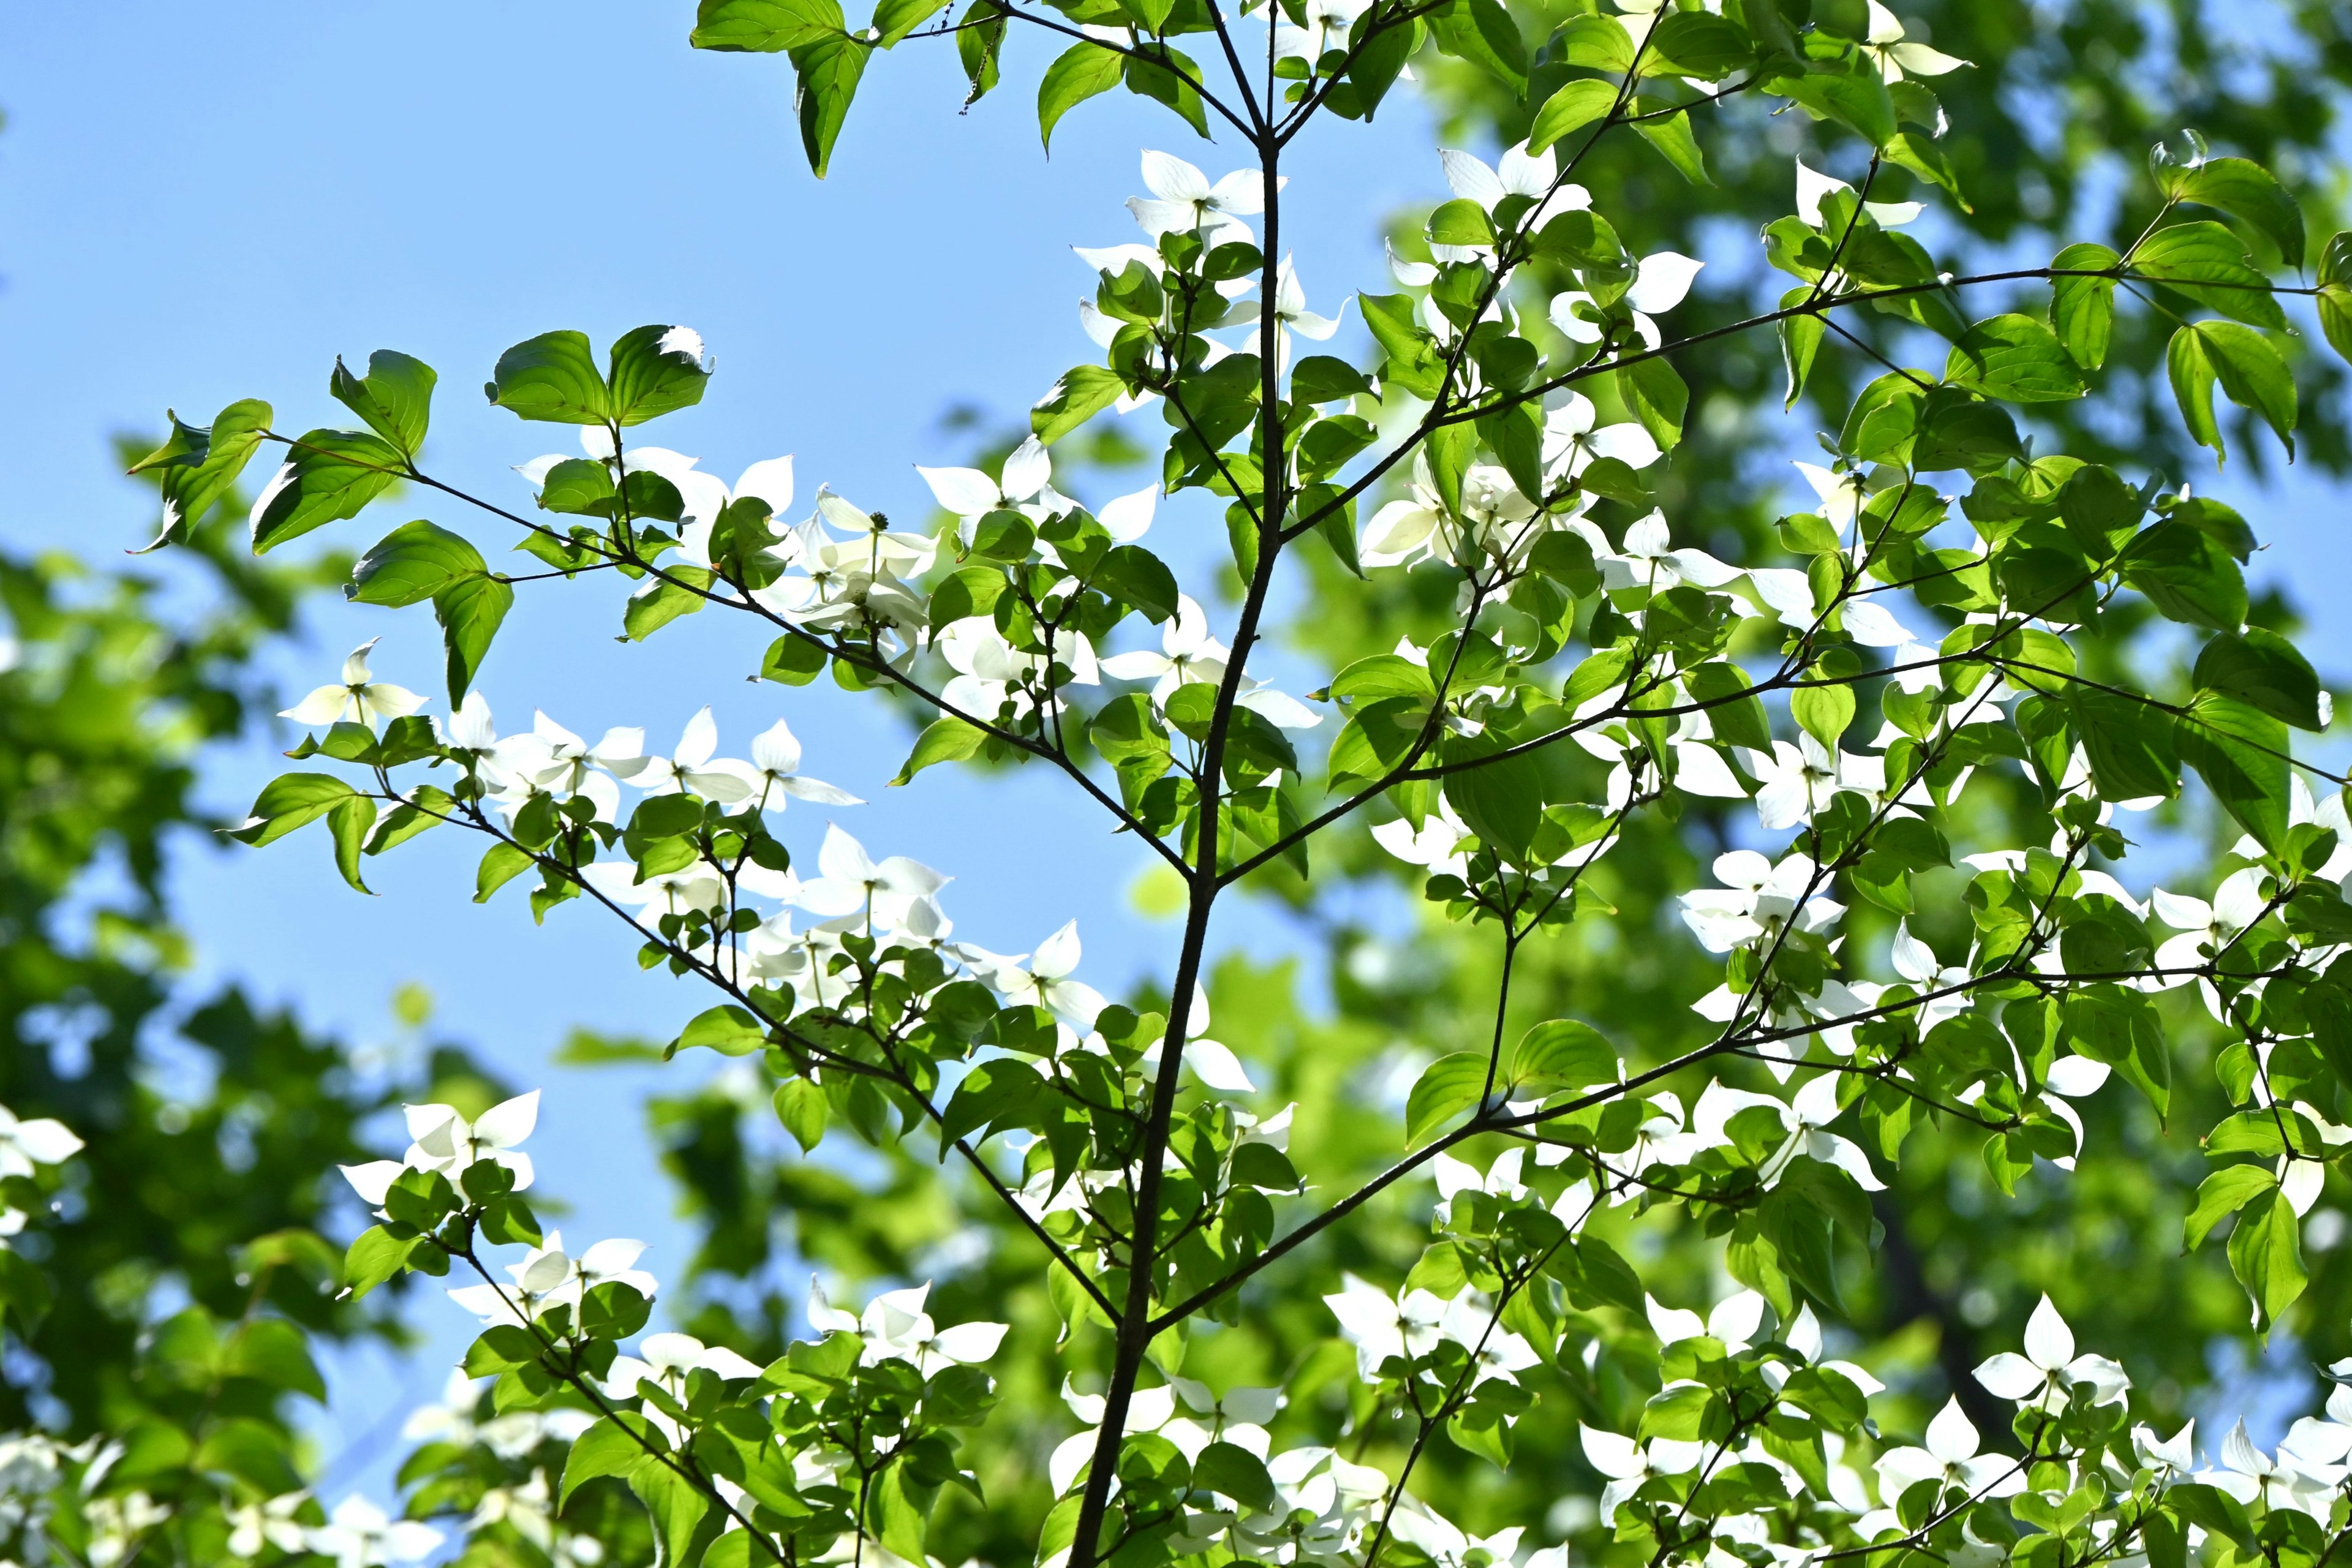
357,698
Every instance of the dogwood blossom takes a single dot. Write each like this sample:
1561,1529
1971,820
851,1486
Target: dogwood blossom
43,1140
358,698
1182,200
1660,281
1042,979
1950,1459
359,1534
1897,57
895,1327
2049,1368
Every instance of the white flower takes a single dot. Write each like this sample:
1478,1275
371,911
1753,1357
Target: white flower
359,1534
1757,898
1448,1546
850,882
776,767
1916,961
1456,1177
1290,315
270,1523
1808,1117
1628,1464
2237,904
2283,1483
44,1140
1328,23
895,1327
445,1141
1042,979
1182,200
1572,443
1439,844
1380,1326
1950,1459
970,494
2177,1452
1660,283
1800,780
1187,655
1813,185
695,887
691,767
2050,1366
1649,560
1520,173
553,758
666,1361
1896,59
1841,495
357,700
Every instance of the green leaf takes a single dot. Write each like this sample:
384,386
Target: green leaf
1858,101
395,398
1448,1087
1564,1054
1576,104
899,1521
1083,392
1696,43
501,864
800,1106
1460,222
2128,745
1502,800
2266,1254
2222,1194
2015,359
2193,372
1482,32
1232,1471
893,19
1733,711
329,475
826,83
287,802
198,466
658,603
24,1291
1132,574
948,740
2083,309
1597,42
552,377
1082,71
412,563
2120,1028
2240,754
274,1352
1672,138
2187,574
349,821
2205,262
1658,396
2253,372
729,1030
1824,713
2335,304
2263,670
375,1257
470,612
656,370
2246,190
1800,343
764,26
675,1503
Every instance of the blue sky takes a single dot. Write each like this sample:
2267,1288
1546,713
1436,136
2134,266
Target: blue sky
192,211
